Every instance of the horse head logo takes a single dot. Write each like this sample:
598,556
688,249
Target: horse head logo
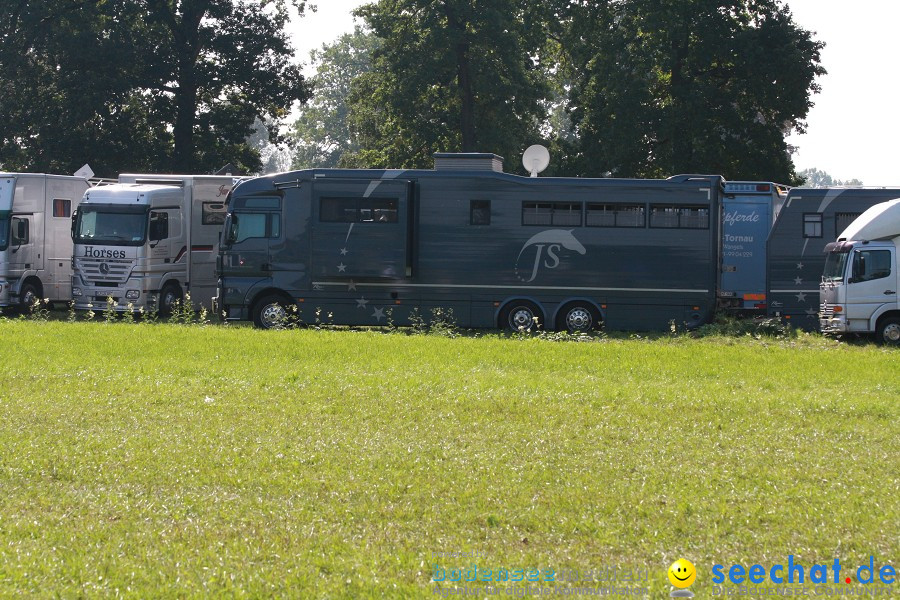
551,241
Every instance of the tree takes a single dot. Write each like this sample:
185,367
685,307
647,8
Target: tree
218,65
689,86
451,75
166,85
69,89
820,179
322,132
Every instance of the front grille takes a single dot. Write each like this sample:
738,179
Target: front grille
826,311
104,272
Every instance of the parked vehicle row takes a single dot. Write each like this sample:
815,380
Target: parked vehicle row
499,250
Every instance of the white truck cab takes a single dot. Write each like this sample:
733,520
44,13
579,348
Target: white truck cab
147,241
858,293
35,247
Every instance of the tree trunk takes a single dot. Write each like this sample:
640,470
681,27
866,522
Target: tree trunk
186,32
183,130
466,98
682,141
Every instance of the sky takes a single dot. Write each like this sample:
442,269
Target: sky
851,128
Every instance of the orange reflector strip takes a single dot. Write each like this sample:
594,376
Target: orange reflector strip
754,296
603,306
301,300
696,308
396,302
496,304
787,316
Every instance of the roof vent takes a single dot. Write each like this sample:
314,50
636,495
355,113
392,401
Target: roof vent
467,161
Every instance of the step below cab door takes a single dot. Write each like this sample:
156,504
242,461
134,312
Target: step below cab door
361,229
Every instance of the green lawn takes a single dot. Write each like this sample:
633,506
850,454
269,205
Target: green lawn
162,460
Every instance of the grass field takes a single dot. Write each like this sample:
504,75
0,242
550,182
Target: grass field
162,460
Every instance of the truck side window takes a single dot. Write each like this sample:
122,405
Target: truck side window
19,231
159,226
256,225
869,265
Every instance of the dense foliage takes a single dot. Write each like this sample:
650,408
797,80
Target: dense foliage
631,88
152,85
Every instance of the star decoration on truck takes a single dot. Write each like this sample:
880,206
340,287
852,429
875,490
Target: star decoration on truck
361,302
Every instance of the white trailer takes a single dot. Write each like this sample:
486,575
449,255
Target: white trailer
148,240
858,293
35,245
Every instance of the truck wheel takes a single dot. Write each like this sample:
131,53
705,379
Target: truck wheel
888,332
270,312
579,317
29,294
168,298
519,315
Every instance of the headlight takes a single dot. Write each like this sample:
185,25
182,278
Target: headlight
76,292
132,294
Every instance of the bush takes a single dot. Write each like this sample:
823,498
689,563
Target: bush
757,328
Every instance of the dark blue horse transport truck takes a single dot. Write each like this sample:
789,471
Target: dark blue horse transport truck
361,247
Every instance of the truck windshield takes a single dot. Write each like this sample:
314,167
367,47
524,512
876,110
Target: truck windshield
111,225
835,265
4,232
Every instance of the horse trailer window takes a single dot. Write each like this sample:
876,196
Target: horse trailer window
358,210
213,213
551,213
679,217
842,221
812,225
615,215
62,207
480,212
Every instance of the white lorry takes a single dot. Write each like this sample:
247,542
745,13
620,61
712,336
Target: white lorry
858,293
148,240
35,246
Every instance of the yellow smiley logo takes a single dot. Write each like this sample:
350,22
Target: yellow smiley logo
682,573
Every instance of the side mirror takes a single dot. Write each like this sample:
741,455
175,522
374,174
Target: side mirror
231,229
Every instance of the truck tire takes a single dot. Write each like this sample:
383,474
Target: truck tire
578,317
28,295
168,298
888,332
270,312
519,315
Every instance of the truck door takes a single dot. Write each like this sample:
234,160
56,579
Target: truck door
254,222
22,253
361,228
871,284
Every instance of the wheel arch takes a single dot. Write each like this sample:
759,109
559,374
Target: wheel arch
885,316
886,312
34,280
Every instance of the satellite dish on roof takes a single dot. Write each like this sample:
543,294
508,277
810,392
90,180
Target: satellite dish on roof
85,172
536,159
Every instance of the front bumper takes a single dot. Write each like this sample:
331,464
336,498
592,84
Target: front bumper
97,298
833,325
